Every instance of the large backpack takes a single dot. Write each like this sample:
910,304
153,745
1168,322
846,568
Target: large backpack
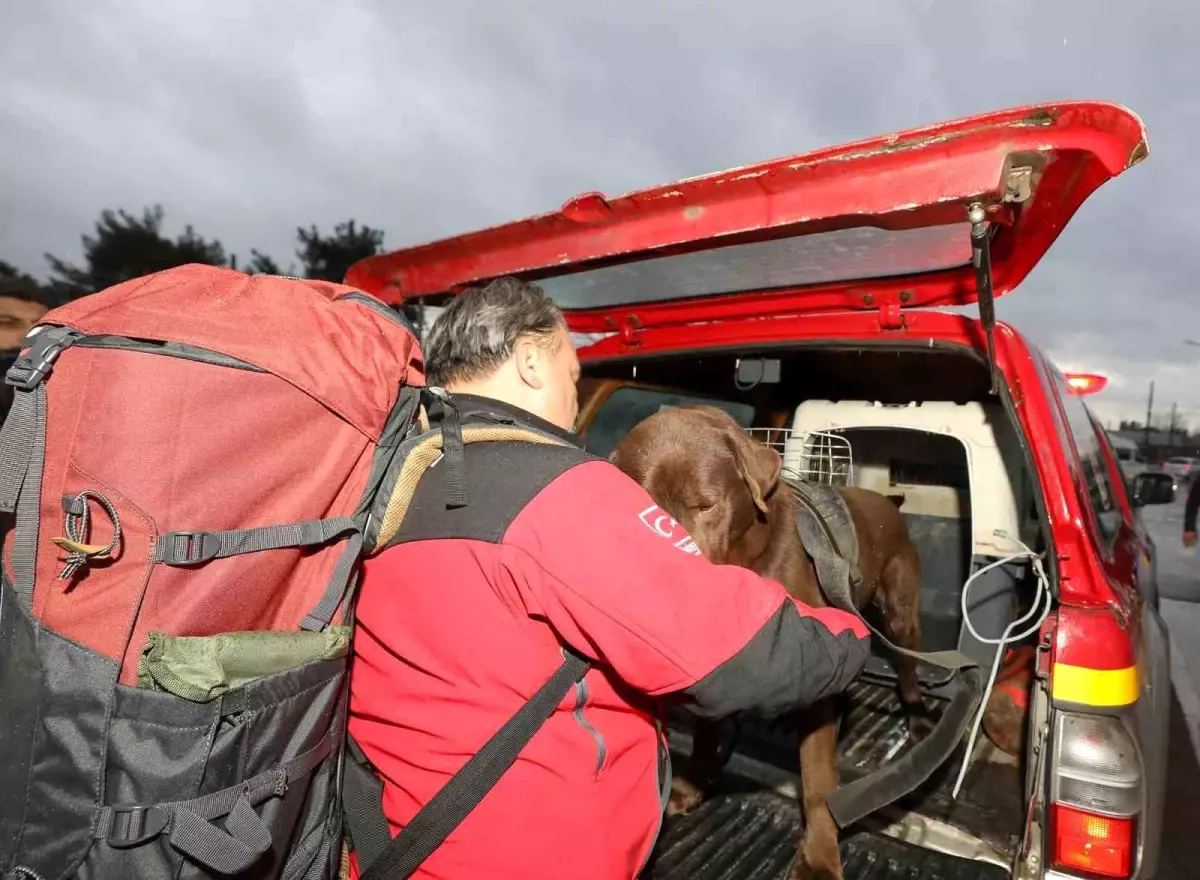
197,461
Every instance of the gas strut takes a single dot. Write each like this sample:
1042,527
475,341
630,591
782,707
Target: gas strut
981,256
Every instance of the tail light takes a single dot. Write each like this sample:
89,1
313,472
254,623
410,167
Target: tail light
1095,796
1086,383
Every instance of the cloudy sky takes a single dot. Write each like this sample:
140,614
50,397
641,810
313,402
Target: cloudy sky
428,119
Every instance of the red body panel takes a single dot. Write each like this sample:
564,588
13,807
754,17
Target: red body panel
1094,638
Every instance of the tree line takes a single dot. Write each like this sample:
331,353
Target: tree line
125,246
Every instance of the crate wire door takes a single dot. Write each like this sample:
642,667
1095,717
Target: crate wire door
812,456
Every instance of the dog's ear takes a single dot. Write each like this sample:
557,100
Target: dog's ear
759,465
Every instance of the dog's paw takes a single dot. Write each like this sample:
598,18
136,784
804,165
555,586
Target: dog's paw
818,856
685,797
801,870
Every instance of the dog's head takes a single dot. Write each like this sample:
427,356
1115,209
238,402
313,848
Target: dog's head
701,468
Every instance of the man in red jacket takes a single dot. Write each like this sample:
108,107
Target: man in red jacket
466,614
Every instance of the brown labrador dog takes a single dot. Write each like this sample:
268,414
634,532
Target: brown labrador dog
724,487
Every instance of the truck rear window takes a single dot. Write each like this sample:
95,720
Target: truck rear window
860,252
627,406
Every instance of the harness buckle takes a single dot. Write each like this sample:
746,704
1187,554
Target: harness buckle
133,824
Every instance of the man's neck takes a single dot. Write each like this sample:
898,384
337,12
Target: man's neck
497,387
494,399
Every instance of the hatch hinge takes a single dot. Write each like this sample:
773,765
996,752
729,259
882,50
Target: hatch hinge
981,256
629,328
1018,185
891,316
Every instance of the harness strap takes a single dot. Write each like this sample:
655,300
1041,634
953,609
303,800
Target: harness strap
441,404
834,579
856,800
362,805
860,798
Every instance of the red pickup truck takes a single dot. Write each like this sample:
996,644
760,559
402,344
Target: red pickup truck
803,296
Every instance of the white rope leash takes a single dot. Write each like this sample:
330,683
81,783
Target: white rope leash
1043,591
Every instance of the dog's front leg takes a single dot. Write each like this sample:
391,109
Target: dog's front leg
712,741
818,857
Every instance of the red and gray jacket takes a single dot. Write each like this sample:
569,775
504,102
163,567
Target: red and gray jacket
465,616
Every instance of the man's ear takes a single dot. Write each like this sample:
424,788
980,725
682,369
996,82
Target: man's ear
759,466
529,358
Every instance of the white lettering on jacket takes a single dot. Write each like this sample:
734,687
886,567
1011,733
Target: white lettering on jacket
664,525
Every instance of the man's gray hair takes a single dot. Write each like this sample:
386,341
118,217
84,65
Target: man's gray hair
480,327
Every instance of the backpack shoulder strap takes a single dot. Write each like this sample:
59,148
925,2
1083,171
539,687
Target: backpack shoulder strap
23,449
418,453
385,858
380,856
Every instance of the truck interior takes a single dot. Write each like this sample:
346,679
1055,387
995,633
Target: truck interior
919,422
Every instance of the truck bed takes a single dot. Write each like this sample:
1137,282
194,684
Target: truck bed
753,837
753,816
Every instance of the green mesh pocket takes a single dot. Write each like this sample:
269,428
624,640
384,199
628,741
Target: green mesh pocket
199,668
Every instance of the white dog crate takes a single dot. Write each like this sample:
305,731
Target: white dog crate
962,475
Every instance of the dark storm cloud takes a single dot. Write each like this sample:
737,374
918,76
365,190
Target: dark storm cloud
427,119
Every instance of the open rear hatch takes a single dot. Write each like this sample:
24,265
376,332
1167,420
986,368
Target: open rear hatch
949,214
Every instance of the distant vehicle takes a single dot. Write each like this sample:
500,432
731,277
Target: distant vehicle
1182,467
1129,456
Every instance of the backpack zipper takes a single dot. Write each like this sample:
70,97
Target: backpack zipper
379,308
169,349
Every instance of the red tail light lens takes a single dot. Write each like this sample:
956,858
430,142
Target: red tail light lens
1088,842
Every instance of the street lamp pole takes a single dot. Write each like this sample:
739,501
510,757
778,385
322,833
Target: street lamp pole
1149,413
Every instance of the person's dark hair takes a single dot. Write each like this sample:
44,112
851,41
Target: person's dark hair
480,327
26,288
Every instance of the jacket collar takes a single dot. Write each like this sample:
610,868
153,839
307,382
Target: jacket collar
474,407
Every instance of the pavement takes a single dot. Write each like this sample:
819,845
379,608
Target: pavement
1179,588
1179,604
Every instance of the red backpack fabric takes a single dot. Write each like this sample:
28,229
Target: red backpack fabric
192,458
182,448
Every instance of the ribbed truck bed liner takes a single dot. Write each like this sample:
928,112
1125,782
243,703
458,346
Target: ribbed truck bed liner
753,837
872,732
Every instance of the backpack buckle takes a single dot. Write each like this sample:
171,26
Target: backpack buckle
191,548
133,824
30,369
